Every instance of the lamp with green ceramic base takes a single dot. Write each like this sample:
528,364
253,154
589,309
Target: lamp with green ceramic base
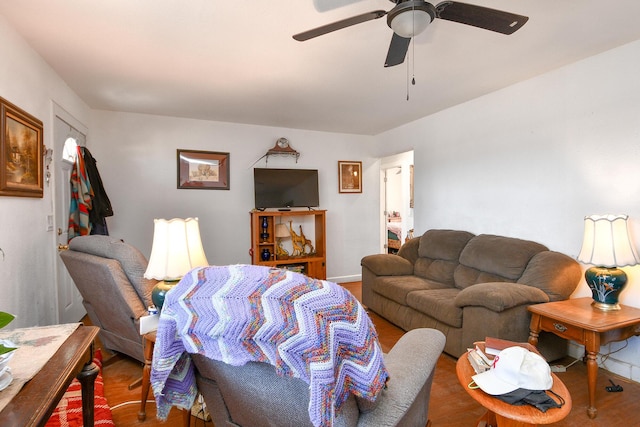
607,246
176,249
160,291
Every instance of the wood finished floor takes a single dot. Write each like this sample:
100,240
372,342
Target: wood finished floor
450,406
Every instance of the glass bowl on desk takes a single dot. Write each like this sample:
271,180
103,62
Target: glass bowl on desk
5,371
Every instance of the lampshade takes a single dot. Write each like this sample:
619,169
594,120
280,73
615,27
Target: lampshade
410,18
606,245
282,231
606,242
176,249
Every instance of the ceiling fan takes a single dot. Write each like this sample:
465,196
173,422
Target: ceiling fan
409,18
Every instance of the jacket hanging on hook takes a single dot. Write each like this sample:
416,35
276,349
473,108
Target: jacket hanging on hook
100,203
90,204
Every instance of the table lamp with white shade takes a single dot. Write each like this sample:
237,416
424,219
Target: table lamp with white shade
176,249
607,246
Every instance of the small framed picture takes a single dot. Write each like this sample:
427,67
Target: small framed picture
21,152
203,170
349,177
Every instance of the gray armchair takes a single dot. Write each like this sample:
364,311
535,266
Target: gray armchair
253,395
109,275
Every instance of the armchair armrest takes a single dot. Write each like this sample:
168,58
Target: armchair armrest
387,265
499,296
411,364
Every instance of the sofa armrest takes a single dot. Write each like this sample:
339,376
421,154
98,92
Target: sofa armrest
387,265
499,296
411,364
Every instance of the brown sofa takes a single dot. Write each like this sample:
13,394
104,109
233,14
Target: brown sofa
469,287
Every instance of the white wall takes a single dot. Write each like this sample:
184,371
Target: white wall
529,161
136,157
532,160
27,287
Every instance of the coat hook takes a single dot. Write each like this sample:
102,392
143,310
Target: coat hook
2,252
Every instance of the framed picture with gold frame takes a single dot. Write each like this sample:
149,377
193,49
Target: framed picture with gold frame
349,176
204,170
21,152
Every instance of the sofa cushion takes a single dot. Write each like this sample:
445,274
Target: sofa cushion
554,273
409,250
438,304
438,252
499,296
396,288
387,265
494,258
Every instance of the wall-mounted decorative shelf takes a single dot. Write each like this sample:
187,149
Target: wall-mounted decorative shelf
282,148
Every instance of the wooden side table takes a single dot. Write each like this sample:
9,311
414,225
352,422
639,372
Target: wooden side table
149,343
503,414
577,320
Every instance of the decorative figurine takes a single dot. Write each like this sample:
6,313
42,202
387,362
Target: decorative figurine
298,244
306,242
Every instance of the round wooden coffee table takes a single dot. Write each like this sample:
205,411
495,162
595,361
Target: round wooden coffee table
503,414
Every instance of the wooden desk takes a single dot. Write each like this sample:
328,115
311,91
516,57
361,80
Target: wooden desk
503,414
576,320
37,399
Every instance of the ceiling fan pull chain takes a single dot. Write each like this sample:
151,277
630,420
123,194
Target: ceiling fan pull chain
413,50
413,46
407,80
413,62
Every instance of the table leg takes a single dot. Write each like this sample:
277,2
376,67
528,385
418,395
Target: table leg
591,347
534,329
87,378
592,375
487,420
146,378
508,422
186,418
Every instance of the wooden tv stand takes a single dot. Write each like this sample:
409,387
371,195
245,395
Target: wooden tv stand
313,226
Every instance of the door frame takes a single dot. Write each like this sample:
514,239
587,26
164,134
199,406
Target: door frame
404,161
59,270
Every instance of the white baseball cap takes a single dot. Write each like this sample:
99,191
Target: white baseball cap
514,368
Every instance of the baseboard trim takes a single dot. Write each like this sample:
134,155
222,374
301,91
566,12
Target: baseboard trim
345,279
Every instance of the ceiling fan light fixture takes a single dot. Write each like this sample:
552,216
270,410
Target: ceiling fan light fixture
410,18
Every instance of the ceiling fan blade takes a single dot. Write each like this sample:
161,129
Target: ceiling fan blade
481,17
338,25
397,50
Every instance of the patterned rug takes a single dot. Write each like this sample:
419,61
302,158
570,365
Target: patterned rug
68,413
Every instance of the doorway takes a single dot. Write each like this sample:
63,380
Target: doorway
396,176
68,133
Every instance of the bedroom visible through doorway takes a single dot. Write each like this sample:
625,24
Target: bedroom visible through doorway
396,175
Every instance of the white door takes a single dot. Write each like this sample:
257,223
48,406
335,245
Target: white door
70,308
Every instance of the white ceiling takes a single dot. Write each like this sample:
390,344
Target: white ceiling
235,61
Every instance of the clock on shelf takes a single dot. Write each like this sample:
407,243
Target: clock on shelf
281,147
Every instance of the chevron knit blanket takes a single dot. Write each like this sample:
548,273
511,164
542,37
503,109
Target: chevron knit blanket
310,329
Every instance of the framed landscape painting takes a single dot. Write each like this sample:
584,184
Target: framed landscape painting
204,170
349,177
21,156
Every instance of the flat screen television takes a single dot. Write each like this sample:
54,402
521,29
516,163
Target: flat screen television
285,188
